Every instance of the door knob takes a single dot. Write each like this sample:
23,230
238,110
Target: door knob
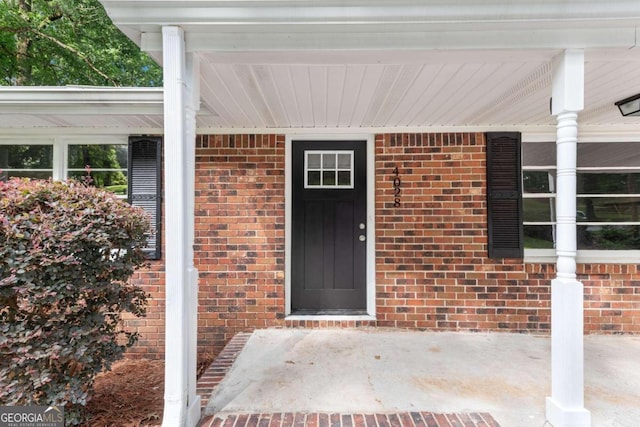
362,237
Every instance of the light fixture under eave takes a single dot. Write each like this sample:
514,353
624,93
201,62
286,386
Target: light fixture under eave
630,106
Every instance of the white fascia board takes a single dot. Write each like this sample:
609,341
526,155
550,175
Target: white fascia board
80,94
86,109
172,12
81,100
406,41
386,24
31,132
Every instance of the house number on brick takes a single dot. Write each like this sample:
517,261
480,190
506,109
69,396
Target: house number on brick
396,188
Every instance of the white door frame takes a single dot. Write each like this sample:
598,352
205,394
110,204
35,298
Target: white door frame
371,232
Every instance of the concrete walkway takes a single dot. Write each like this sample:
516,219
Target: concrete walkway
374,371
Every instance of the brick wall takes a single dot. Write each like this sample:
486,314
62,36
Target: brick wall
612,298
431,251
151,328
432,265
239,234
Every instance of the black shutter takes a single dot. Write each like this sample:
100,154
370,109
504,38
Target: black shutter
145,182
504,195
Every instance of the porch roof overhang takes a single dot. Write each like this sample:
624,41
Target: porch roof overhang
276,65
272,25
81,108
388,64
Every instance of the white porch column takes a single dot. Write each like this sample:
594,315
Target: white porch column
192,106
565,407
182,406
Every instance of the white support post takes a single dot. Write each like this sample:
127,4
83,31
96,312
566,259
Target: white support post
181,403
565,407
192,106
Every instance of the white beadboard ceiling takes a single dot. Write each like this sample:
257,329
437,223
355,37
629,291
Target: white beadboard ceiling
491,89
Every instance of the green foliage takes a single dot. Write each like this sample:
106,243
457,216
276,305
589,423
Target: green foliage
66,42
615,238
67,251
89,157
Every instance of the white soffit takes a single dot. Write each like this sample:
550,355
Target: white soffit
81,107
426,89
259,91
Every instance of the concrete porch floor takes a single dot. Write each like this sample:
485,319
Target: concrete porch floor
379,371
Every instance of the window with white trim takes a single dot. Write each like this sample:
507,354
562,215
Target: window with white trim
99,161
27,160
608,195
127,166
328,169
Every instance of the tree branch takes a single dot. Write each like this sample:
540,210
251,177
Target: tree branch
14,30
78,53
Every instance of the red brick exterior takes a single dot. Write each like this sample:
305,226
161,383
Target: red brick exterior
432,270
612,298
239,234
432,265
151,328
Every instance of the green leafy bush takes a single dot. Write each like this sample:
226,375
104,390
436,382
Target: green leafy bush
67,251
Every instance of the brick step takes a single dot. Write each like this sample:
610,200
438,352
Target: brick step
401,419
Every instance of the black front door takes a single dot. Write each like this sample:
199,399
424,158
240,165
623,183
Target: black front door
329,217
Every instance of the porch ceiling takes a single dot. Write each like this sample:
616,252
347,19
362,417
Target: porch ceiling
371,64
392,63
404,90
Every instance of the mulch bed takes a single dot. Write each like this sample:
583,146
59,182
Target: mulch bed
132,393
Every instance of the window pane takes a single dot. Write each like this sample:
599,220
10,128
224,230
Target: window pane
7,174
329,161
608,183
106,165
313,161
97,156
313,178
538,181
538,210
113,181
328,169
610,209
609,154
538,236
328,178
538,153
26,157
344,161
612,237
344,178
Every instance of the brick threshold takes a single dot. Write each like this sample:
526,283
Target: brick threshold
223,363
399,419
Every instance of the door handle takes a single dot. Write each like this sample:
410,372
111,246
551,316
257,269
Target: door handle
362,237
